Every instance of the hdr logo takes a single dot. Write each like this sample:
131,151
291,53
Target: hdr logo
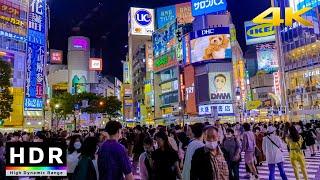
143,17
35,159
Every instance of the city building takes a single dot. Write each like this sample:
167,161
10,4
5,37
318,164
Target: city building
300,62
22,43
141,26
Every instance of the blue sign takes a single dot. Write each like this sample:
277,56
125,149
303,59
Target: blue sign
210,31
143,17
201,7
165,15
163,39
36,54
13,36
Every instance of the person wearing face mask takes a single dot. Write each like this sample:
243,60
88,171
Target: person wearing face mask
145,160
208,162
87,168
74,150
231,148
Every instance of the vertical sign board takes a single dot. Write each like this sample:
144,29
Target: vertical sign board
35,55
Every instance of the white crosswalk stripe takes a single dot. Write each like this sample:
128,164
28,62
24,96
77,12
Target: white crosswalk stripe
312,166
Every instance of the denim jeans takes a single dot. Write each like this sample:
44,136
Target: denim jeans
272,168
233,170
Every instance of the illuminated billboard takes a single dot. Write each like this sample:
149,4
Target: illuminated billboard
165,15
183,13
79,43
267,57
142,21
95,64
149,56
56,56
259,33
210,44
203,7
164,39
165,61
36,56
220,89
220,109
13,16
190,94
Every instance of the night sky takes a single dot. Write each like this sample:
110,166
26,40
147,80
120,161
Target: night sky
105,23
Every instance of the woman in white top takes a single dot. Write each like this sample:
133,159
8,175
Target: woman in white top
272,147
74,149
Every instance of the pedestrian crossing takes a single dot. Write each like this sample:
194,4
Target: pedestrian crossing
312,166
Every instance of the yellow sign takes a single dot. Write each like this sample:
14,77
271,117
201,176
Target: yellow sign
276,18
253,105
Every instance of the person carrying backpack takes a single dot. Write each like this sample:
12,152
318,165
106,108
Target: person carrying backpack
231,148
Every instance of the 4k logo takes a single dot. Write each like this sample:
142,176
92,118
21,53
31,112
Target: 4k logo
276,19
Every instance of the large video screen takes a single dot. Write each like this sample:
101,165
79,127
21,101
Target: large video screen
267,58
220,86
210,44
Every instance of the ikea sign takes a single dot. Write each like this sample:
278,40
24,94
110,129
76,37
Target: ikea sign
259,33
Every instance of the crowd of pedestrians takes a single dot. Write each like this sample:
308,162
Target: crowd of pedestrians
201,151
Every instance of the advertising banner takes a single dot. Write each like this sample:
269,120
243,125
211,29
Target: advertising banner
183,13
164,39
202,7
190,96
186,49
149,56
13,19
142,21
165,15
95,64
34,79
210,44
222,109
165,61
267,57
259,33
220,89
126,72
56,56
36,54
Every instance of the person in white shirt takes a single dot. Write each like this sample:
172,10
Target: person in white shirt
74,150
196,143
272,147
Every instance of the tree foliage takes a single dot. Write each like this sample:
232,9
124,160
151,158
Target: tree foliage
63,104
6,99
111,107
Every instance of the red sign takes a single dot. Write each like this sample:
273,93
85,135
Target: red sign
56,56
95,64
190,96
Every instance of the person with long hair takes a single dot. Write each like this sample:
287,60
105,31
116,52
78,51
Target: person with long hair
74,149
294,142
165,159
86,169
310,134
